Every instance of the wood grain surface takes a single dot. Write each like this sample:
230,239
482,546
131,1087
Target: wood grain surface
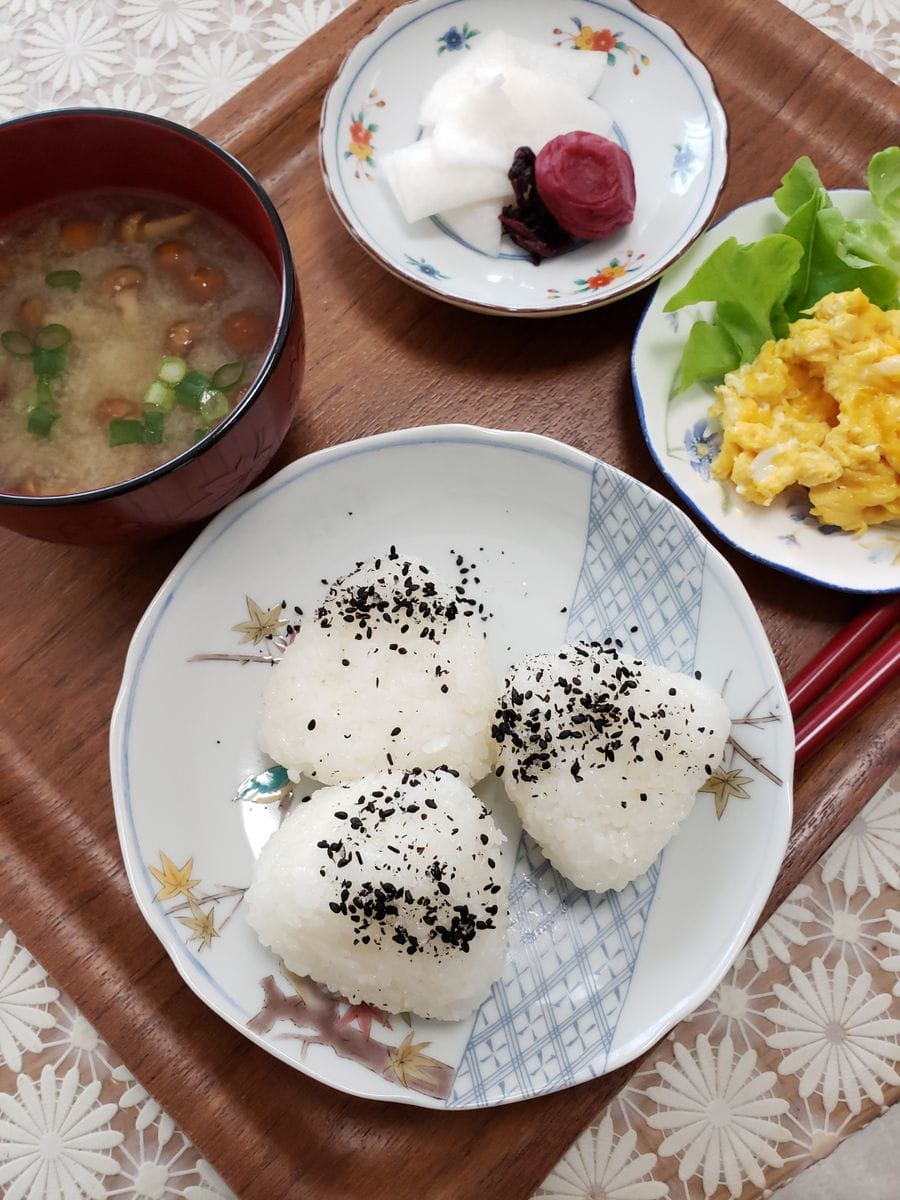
383,356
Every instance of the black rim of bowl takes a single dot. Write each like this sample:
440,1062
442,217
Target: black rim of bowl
285,314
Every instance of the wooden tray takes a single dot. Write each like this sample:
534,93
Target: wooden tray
382,356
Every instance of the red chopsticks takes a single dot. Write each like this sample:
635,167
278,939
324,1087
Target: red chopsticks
818,716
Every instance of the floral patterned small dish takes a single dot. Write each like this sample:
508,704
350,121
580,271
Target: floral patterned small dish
684,442
666,115
554,545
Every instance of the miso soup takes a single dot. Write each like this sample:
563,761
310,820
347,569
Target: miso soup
130,326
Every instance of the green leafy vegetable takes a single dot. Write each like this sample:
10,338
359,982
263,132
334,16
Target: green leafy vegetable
801,183
884,182
878,241
745,282
820,229
709,353
760,288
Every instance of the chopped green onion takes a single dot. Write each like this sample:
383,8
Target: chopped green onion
213,406
23,402
16,343
124,431
199,434
191,388
41,420
64,279
153,426
229,375
48,362
171,370
160,395
52,337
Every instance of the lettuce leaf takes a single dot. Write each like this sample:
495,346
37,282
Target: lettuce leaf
746,283
709,353
834,269
884,182
758,289
829,263
879,241
799,186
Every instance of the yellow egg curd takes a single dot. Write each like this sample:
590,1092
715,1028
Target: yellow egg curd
820,408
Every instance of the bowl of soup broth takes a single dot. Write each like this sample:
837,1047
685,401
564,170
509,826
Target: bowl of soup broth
151,332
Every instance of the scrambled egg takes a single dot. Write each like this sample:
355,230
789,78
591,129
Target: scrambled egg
820,408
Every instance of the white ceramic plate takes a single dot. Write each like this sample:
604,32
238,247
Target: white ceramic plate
684,443
666,113
563,546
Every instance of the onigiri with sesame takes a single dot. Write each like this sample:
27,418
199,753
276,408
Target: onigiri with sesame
389,891
603,754
390,671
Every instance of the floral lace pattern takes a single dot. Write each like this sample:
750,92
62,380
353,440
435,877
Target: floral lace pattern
795,1049
182,58
74,1122
870,29
798,1046
175,58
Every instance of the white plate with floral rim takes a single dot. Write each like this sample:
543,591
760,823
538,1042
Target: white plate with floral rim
666,115
563,546
684,442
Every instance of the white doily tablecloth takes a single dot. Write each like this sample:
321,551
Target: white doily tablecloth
797,1047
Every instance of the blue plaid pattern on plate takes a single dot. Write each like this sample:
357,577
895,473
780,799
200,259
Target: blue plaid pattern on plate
550,1021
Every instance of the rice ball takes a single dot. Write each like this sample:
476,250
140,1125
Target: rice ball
602,756
387,673
389,891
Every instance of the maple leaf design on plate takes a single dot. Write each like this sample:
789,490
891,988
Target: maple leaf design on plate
364,1015
201,924
723,785
176,881
409,1064
263,623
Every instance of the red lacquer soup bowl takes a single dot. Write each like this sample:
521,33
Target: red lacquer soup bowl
51,155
